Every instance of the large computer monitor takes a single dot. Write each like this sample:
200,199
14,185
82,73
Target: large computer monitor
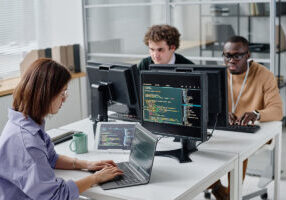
175,104
217,89
113,87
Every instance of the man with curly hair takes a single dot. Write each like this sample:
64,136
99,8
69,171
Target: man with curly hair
163,41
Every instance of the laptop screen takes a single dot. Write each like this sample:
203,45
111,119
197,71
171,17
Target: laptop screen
142,151
115,136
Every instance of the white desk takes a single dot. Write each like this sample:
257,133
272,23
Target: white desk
245,144
169,179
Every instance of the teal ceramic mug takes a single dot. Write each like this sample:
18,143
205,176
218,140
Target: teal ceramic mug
79,143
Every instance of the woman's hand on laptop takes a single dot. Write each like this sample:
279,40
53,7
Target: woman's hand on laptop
106,174
98,165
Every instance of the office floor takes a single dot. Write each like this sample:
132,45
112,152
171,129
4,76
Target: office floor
250,183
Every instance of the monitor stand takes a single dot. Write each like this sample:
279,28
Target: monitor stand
182,155
101,94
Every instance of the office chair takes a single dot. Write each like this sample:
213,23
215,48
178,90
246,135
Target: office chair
219,34
266,176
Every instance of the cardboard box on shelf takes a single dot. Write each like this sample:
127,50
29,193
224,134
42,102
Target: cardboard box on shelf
30,58
68,56
59,55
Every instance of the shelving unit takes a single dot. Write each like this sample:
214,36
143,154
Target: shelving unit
280,14
233,11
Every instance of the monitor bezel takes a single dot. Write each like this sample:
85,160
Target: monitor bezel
154,127
220,119
131,86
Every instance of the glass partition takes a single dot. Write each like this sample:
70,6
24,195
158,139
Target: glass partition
115,29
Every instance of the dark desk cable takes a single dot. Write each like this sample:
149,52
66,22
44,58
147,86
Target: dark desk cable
209,135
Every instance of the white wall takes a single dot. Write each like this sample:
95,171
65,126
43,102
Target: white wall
65,26
61,23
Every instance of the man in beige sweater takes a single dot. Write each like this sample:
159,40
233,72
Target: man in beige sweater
253,94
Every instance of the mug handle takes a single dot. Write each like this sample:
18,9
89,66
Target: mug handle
72,142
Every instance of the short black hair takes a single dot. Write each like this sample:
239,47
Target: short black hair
238,39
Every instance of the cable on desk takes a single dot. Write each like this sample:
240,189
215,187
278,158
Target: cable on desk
208,136
211,134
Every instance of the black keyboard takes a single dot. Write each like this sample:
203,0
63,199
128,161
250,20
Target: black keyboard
239,128
62,139
123,117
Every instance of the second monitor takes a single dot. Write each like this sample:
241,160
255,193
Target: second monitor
113,87
175,104
217,89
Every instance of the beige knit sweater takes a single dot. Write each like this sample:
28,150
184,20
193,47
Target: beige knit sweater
260,93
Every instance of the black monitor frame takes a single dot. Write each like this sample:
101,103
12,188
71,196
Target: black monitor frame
111,83
217,89
187,134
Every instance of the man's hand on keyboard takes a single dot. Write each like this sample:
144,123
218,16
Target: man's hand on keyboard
98,165
232,118
244,120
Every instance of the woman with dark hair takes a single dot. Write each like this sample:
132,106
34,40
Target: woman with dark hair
27,155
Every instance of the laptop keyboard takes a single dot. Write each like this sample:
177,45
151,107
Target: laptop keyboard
127,178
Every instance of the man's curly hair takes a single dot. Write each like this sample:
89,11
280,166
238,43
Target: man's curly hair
164,32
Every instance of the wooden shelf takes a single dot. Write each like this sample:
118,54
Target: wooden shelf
189,44
7,86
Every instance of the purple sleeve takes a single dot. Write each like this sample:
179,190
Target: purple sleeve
40,182
52,155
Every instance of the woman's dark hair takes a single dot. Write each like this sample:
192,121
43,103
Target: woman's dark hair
38,87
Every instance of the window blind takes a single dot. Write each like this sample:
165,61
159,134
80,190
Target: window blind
17,34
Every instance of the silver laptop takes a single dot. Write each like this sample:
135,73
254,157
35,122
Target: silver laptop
138,170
